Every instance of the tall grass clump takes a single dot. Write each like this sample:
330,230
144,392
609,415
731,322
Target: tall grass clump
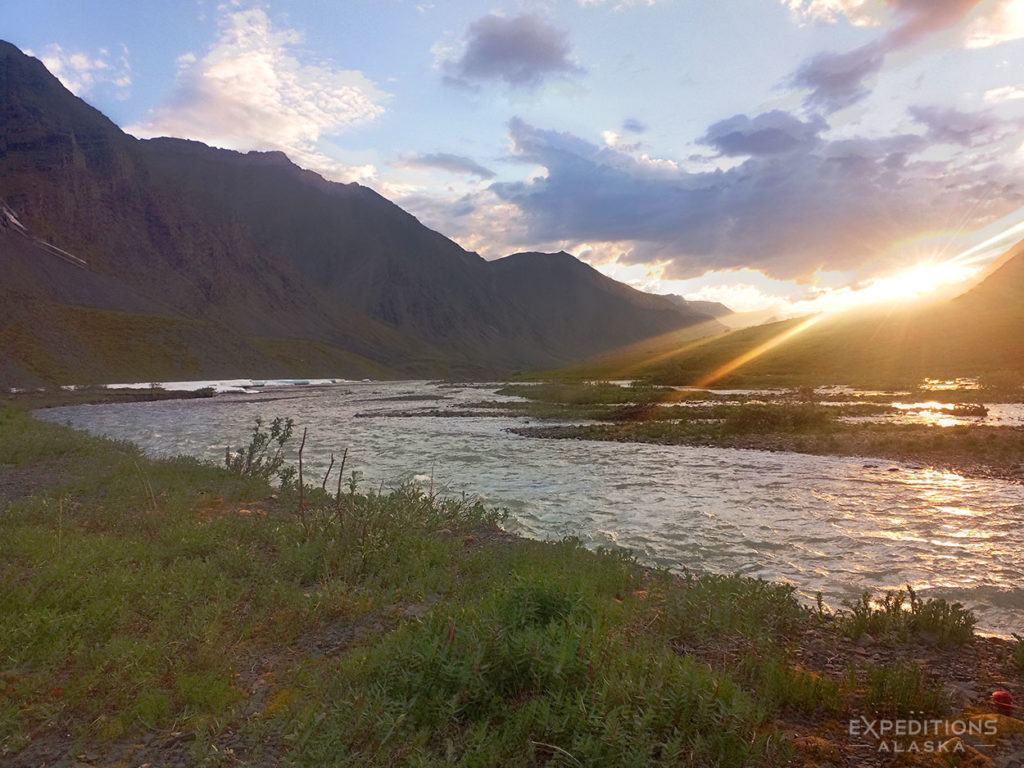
900,690
903,616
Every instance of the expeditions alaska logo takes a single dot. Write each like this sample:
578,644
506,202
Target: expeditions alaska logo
910,736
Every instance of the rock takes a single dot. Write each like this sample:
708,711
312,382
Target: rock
962,691
865,641
1012,760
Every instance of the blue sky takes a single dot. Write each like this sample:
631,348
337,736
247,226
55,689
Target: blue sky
788,155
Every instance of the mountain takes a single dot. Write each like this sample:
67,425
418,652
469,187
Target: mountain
980,333
710,308
166,258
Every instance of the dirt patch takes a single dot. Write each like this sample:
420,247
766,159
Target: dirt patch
19,482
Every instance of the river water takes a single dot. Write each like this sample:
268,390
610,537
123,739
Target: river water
837,525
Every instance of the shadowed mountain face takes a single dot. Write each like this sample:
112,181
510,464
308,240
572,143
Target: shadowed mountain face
247,265
980,333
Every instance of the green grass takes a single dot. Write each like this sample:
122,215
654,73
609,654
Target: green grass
1018,652
366,629
867,348
899,690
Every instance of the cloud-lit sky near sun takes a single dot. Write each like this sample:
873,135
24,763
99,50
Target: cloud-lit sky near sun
787,155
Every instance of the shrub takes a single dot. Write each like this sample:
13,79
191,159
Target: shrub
264,456
892,618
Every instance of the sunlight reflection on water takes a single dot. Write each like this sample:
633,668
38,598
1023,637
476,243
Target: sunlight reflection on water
838,525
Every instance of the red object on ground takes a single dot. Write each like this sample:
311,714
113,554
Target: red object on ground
1003,701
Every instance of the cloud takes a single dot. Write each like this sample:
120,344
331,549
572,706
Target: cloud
478,221
448,162
862,13
910,19
770,133
921,18
839,80
521,51
633,125
970,129
1004,24
836,202
253,89
81,73
1004,93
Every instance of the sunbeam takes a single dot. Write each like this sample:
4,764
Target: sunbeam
746,357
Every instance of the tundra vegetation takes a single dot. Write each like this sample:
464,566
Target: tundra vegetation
801,420
180,613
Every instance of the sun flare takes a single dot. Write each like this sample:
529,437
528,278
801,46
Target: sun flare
923,279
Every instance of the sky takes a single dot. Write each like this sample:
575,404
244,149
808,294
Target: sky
789,156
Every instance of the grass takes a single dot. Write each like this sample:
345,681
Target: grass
903,616
900,690
145,599
1018,652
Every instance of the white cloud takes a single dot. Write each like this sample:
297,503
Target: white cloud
1003,24
989,22
1006,93
253,89
81,73
861,13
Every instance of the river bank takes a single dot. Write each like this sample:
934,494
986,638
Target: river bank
172,612
56,397
976,451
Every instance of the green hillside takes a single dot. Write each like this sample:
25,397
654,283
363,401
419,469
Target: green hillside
980,333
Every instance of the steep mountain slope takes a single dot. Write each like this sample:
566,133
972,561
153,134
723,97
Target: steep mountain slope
980,333
249,250
709,308
547,289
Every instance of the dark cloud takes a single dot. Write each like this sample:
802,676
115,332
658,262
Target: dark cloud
824,204
837,80
449,162
633,126
768,134
521,50
951,126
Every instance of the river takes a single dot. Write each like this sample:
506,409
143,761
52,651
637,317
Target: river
838,525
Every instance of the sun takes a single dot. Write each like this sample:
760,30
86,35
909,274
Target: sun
923,279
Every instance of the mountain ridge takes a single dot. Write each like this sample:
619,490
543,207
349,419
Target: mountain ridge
260,253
